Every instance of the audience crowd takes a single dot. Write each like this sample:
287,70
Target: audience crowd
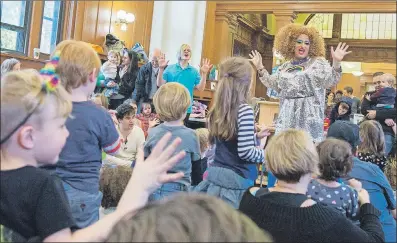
112,159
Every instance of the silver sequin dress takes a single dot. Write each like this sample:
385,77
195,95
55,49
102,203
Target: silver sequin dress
302,94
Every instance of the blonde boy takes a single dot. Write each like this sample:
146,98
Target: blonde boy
91,131
171,102
34,207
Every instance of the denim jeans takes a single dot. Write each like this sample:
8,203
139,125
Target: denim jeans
166,190
84,206
388,143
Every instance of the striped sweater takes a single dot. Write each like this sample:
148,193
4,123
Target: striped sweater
241,154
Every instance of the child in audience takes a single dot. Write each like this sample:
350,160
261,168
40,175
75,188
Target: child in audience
386,95
172,101
372,146
147,118
33,204
200,167
132,103
335,158
232,131
101,100
188,218
341,110
112,184
109,70
91,128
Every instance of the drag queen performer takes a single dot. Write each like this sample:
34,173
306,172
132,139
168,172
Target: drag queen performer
302,80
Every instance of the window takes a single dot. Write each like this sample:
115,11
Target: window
368,26
50,26
14,25
323,23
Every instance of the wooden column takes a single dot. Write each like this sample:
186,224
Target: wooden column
225,27
283,18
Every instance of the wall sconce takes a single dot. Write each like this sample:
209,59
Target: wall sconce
123,18
357,73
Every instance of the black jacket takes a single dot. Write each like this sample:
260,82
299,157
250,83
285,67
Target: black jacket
345,117
143,83
127,84
381,113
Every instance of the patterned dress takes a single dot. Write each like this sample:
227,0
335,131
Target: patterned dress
301,90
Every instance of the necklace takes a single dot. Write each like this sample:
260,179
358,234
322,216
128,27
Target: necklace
300,61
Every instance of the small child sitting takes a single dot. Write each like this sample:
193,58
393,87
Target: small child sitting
112,184
171,102
335,162
147,118
109,69
341,110
386,95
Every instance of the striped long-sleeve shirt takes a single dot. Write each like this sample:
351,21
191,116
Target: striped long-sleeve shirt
241,154
246,137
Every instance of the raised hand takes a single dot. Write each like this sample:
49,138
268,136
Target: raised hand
162,61
263,132
256,59
205,66
340,52
151,173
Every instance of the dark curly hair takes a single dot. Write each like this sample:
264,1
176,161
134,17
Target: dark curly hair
336,159
285,40
112,184
124,110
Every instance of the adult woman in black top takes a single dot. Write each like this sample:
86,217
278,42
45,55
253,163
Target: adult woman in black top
285,211
128,74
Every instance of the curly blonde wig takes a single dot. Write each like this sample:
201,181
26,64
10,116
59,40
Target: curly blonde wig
285,40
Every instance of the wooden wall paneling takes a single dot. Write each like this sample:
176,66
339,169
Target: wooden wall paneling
79,23
208,50
349,79
103,21
35,27
143,23
69,20
90,21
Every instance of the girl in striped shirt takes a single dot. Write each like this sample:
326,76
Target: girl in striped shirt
231,125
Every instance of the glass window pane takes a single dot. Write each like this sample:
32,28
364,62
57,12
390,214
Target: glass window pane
46,32
12,39
13,12
49,28
49,9
9,39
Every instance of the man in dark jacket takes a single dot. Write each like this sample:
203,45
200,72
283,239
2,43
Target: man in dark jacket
380,115
146,82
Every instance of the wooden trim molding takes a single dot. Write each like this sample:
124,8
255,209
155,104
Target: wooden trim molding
326,6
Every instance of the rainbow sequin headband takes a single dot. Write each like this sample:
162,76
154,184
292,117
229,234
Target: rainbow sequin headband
50,83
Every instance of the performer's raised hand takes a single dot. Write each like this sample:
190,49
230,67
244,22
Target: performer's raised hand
340,52
205,66
162,62
256,59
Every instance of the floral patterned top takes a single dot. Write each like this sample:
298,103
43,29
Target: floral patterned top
380,161
301,90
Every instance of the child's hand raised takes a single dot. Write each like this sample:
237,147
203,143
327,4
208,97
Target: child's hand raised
151,173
